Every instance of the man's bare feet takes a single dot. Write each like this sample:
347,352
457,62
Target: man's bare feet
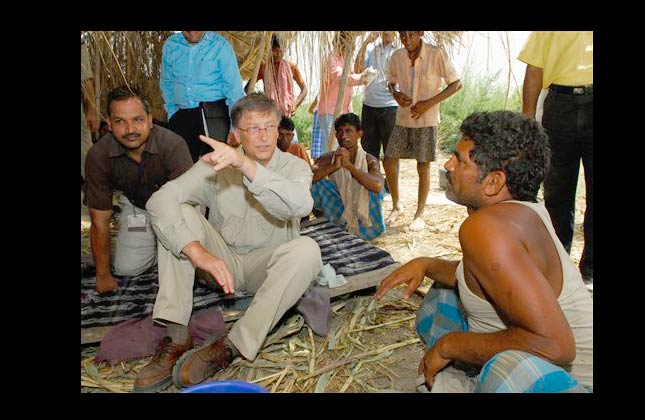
394,216
417,225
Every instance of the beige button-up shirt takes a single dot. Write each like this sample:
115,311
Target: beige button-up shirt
248,215
430,68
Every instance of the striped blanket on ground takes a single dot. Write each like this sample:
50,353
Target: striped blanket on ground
347,253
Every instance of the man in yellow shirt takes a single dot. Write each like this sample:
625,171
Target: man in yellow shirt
562,62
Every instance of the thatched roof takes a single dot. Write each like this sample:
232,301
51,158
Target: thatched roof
134,57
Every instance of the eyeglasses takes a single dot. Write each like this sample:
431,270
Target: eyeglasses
255,130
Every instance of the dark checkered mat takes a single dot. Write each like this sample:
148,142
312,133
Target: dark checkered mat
347,253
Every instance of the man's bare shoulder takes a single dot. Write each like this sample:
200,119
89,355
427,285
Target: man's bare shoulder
495,223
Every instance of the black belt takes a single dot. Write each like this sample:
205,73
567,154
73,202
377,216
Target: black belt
215,104
219,104
572,90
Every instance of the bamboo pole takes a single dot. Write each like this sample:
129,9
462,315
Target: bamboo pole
349,52
97,82
263,51
507,49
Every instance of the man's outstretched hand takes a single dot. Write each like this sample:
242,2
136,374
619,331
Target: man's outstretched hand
412,273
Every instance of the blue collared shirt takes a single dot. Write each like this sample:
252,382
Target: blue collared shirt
204,72
376,93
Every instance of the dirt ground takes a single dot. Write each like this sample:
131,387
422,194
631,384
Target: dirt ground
360,352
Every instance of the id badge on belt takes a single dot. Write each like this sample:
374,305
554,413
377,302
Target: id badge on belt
137,222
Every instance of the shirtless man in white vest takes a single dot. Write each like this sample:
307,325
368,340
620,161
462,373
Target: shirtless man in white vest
525,323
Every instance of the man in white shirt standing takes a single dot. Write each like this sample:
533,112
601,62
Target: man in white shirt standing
379,107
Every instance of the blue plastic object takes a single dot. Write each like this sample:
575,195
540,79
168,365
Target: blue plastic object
228,387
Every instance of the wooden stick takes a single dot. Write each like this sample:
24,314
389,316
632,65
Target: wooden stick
266,41
347,69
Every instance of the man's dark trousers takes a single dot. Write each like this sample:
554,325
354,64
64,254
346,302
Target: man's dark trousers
568,120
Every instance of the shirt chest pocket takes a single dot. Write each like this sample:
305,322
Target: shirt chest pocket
247,233
245,223
208,66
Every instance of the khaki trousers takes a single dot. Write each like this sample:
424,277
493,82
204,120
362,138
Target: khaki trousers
136,249
277,276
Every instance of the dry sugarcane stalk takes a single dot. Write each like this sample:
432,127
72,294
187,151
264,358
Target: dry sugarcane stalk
249,375
360,356
276,359
290,384
323,381
355,341
386,373
365,386
312,360
100,384
338,306
387,369
359,308
266,378
407,302
371,327
284,372
293,325
350,378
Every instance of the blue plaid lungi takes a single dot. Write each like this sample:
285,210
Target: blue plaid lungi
327,199
316,138
507,371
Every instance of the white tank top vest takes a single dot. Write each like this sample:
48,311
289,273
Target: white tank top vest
574,299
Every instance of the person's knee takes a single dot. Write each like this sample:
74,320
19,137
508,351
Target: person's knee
497,374
426,313
306,252
420,322
423,168
309,248
389,164
194,218
189,210
133,265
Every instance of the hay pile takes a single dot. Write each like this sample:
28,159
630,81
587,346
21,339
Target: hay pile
362,353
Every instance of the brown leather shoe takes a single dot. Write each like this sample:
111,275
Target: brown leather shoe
198,364
157,375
